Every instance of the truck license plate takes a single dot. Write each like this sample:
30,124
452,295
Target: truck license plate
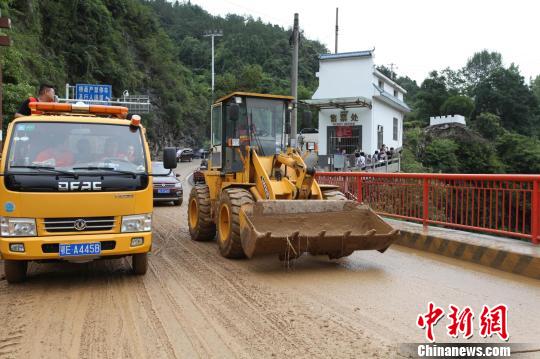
163,190
80,249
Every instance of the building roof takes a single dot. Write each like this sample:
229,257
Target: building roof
340,102
343,55
391,100
389,80
252,94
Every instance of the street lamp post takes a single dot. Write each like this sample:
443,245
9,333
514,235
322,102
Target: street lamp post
213,34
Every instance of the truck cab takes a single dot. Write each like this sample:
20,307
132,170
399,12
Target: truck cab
75,185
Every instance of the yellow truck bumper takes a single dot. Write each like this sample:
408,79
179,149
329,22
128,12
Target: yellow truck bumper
42,248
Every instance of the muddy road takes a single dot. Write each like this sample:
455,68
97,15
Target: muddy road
194,303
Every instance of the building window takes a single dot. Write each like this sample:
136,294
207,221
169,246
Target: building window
381,84
380,137
395,134
395,93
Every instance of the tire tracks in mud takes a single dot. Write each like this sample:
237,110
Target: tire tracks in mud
283,323
17,302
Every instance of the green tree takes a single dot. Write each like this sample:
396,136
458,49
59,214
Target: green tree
441,155
504,93
488,125
480,66
458,105
430,97
520,154
535,87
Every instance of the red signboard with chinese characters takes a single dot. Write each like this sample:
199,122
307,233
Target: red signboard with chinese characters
344,131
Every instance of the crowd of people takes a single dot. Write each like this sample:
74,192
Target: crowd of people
362,161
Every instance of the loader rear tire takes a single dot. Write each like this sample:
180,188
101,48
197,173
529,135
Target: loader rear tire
200,222
230,245
334,195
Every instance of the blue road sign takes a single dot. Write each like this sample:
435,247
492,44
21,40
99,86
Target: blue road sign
88,92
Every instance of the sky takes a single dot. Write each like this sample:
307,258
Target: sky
418,36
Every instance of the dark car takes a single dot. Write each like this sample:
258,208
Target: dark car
167,188
201,153
184,155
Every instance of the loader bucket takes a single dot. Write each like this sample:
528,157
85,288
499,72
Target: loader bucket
292,227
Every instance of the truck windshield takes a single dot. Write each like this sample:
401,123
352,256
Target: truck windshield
265,119
77,147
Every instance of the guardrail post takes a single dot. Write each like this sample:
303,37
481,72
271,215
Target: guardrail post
425,202
359,197
535,212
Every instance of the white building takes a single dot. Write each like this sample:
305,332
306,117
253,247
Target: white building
441,120
359,107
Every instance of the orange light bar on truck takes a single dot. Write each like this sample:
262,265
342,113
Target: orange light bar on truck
41,107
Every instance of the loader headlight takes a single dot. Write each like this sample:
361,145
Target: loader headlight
137,223
17,227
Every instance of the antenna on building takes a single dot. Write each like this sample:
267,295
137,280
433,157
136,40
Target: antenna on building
337,28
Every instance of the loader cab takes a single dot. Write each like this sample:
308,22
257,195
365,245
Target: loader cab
243,120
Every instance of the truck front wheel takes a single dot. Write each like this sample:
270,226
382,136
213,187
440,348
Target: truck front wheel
15,271
139,263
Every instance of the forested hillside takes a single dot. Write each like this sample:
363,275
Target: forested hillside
148,47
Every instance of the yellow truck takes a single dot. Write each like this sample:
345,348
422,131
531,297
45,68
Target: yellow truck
75,185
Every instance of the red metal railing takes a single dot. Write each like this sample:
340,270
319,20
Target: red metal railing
507,205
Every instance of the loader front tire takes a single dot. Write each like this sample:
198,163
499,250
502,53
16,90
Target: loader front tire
201,225
230,245
334,195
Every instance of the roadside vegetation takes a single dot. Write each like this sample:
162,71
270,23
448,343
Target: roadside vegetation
502,113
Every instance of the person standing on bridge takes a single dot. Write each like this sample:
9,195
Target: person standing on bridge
45,94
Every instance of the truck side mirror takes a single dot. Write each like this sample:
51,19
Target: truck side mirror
306,117
288,122
233,112
169,158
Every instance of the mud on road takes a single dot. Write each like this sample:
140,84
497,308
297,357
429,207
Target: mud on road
194,303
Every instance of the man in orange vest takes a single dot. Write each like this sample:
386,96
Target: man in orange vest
45,94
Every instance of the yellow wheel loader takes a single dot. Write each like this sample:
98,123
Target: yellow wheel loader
261,198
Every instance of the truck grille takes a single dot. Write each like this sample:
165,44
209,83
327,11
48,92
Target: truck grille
84,224
163,185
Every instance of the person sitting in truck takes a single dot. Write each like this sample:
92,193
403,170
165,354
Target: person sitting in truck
57,155
84,151
110,150
45,94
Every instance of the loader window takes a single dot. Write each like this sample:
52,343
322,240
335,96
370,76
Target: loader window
265,121
216,125
216,128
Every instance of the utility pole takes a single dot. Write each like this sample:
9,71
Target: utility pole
213,34
294,78
337,28
392,73
5,23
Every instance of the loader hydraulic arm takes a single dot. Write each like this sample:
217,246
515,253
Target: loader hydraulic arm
304,175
